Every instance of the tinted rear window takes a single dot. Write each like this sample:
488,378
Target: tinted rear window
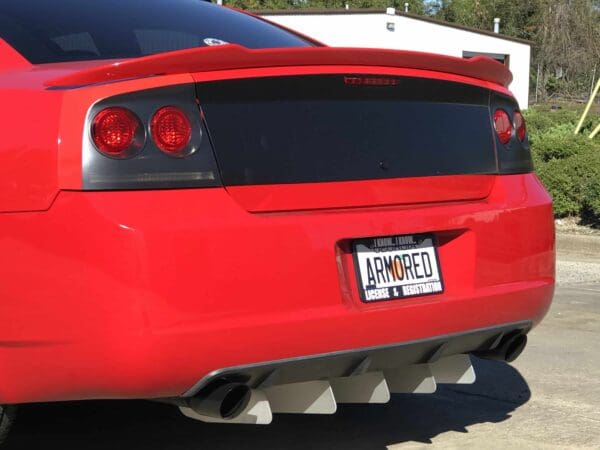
46,31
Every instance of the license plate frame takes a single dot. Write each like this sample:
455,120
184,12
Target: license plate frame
410,285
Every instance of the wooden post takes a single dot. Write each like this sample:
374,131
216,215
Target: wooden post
588,107
537,82
595,132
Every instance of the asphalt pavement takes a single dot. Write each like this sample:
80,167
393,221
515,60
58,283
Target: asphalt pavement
548,399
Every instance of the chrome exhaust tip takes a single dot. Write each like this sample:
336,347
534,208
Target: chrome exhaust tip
509,348
221,400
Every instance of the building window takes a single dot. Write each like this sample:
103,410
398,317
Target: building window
504,59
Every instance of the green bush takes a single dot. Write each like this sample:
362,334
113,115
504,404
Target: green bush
562,188
591,203
543,118
568,165
557,142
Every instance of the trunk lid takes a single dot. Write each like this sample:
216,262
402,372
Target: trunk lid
339,140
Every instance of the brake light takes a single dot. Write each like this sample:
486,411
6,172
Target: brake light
117,132
520,126
370,81
503,125
171,130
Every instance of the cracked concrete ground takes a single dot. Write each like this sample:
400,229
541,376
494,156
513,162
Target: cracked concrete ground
548,399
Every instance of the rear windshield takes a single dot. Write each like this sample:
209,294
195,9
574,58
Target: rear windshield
47,31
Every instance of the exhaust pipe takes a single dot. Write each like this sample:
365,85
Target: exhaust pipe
221,400
509,348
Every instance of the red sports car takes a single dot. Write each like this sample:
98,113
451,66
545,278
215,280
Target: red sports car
201,207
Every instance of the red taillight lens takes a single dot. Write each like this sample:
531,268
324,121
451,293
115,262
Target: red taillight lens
171,130
117,132
520,126
503,125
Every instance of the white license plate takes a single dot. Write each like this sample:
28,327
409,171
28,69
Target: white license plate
393,267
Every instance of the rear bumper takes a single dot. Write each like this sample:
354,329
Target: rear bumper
142,294
362,360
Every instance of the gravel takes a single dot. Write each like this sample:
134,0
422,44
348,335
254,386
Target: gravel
578,258
572,225
569,272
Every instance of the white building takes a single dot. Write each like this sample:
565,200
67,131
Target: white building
397,30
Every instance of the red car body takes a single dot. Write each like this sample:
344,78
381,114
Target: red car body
143,293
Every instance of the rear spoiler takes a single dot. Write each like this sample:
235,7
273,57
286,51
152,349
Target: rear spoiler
230,56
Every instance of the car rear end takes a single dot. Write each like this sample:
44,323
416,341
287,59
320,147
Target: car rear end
342,209
277,236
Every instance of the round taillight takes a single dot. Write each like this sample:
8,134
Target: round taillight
171,130
520,126
117,132
503,125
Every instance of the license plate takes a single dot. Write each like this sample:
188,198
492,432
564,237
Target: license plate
392,267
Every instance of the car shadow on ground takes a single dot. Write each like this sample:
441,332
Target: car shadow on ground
499,390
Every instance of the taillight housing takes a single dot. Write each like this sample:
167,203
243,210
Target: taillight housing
520,127
503,125
171,131
148,139
512,143
118,132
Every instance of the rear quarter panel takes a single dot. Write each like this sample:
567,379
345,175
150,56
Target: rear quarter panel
28,148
